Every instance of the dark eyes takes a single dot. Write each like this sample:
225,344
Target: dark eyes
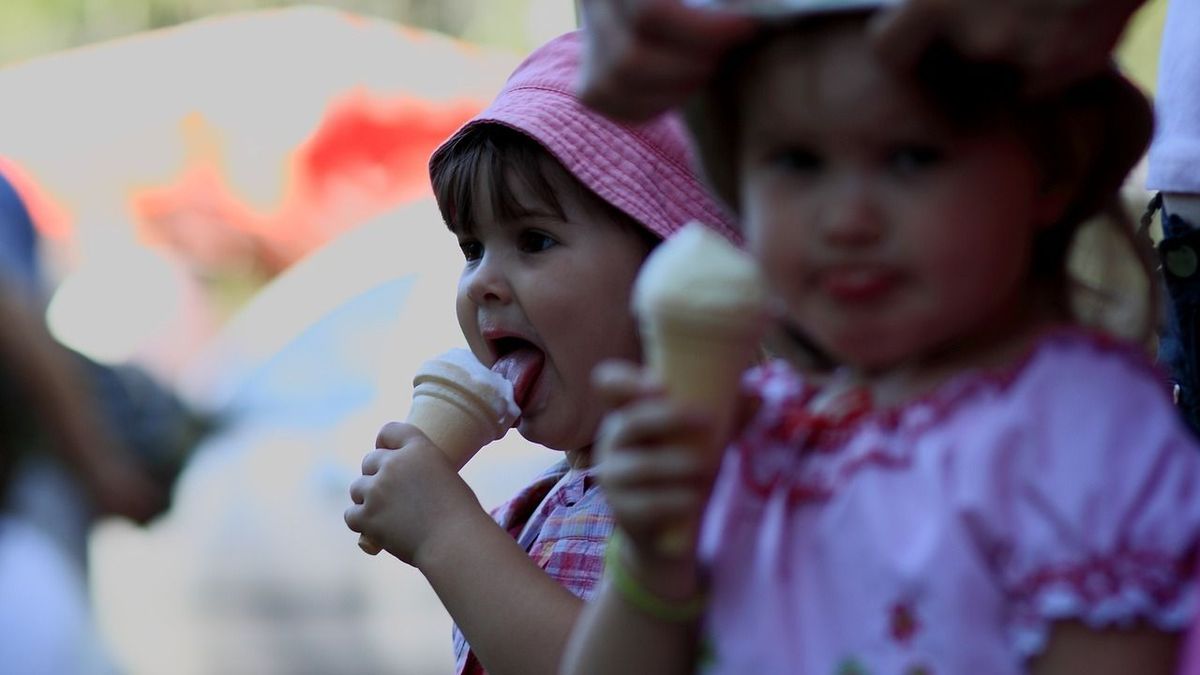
471,250
901,159
528,241
532,241
912,158
795,160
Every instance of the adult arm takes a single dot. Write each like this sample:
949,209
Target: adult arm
69,418
1055,42
647,56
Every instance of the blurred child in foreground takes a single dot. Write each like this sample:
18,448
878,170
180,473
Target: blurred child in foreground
991,482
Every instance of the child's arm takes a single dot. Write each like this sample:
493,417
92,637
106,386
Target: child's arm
645,618
412,503
1075,648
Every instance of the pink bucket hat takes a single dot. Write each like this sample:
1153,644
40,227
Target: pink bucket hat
645,170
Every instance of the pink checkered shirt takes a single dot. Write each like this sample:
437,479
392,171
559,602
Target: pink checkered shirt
562,520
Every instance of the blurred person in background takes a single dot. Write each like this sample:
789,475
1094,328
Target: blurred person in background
83,439
1174,171
45,617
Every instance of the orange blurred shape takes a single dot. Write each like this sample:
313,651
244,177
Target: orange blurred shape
368,155
49,216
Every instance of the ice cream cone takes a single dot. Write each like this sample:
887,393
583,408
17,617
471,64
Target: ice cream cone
457,419
702,308
461,406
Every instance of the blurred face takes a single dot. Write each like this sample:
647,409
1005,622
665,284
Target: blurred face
887,234
544,297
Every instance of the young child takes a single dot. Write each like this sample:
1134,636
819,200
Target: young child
986,485
554,208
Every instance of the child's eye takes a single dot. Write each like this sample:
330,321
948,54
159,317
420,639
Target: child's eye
532,241
906,159
471,249
795,159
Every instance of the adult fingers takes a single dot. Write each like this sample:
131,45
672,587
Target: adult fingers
693,29
902,34
643,82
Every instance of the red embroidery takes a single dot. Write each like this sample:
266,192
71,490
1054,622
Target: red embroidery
816,478
903,623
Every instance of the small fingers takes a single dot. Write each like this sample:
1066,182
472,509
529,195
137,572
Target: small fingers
619,383
652,422
658,509
373,460
653,467
353,515
394,435
359,488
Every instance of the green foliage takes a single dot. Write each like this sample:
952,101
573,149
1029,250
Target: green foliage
30,28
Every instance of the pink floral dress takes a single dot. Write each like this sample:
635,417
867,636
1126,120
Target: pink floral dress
947,535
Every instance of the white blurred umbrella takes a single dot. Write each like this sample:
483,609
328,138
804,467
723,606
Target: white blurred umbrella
243,141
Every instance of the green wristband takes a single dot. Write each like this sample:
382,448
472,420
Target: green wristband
642,598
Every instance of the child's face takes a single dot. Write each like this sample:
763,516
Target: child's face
887,233
559,286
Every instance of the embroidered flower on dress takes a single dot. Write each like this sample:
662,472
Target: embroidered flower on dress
903,623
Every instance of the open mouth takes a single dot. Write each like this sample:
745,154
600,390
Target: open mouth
520,362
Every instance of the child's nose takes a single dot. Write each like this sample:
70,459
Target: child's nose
488,283
852,217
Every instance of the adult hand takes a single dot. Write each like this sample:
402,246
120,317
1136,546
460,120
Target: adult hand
120,488
409,494
1054,42
644,57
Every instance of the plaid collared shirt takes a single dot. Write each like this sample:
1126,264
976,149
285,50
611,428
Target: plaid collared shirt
563,522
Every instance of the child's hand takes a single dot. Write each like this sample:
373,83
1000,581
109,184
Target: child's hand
408,495
646,56
1056,42
652,475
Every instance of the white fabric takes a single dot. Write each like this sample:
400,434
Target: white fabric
949,534
1175,154
45,623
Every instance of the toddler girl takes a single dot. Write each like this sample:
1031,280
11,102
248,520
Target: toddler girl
985,485
554,208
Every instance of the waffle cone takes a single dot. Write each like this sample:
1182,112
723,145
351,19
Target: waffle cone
701,365
457,421
701,368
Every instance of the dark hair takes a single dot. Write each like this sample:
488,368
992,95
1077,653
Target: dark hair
1088,136
503,155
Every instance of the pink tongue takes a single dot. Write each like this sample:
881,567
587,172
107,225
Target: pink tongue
521,367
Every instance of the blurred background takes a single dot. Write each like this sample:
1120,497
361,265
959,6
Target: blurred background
233,223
